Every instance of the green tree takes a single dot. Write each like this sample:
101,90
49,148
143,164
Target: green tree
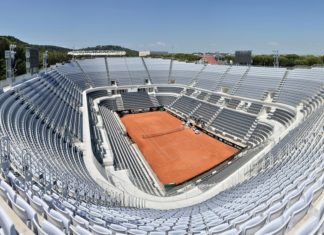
263,60
300,61
312,60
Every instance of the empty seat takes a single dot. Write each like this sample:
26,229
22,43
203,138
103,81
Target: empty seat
99,230
58,219
50,229
6,224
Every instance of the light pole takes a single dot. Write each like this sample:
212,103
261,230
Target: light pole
10,60
276,58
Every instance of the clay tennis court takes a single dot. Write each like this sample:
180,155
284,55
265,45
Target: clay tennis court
176,154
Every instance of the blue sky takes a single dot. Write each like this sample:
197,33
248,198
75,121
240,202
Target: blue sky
172,25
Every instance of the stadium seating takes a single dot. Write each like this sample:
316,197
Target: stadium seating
123,153
254,82
96,71
214,98
95,135
231,78
165,100
266,202
118,71
210,76
293,90
282,116
98,94
258,81
169,89
205,112
49,101
46,184
137,70
159,70
110,104
254,108
202,95
233,103
6,225
73,72
185,105
137,100
234,123
260,134
48,143
183,74
190,92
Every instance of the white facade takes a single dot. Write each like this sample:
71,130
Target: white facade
97,53
150,53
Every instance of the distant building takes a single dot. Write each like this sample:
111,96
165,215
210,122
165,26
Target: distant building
208,59
97,53
152,53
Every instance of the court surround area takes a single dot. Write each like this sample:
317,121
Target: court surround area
174,152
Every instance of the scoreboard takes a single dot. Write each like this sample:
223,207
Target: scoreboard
243,57
32,61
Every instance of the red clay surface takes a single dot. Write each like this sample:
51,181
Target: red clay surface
180,154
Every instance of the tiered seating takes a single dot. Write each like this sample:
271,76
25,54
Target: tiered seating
50,100
233,103
154,101
253,82
118,71
47,146
231,78
165,100
98,94
109,104
74,73
6,224
184,73
260,134
214,98
95,135
189,92
282,116
234,123
96,71
136,70
210,76
159,70
260,80
65,85
205,112
285,185
124,156
137,100
254,108
274,200
300,86
169,89
185,105
201,95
